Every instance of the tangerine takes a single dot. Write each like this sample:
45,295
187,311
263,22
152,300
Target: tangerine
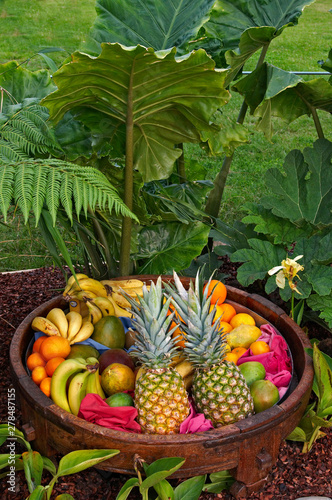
35,359
52,364
37,343
54,347
227,311
225,326
231,357
259,347
239,351
242,319
45,386
38,374
218,291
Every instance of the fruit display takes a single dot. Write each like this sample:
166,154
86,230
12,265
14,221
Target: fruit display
183,345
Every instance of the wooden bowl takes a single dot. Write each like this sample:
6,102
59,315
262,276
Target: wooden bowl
248,448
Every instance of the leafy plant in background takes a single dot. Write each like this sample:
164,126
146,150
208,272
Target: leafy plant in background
295,220
135,131
33,464
317,414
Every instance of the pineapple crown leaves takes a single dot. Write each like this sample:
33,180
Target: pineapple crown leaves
154,344
32,184
205,341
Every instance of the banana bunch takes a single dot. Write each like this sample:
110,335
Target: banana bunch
70,326
116,288
83,286
84,379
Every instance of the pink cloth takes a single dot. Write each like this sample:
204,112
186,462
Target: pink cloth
122,418
195,422
277,362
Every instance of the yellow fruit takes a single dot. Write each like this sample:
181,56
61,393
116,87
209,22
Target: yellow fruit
231,357
226,311
225,326
242,319
239,351
117,378
243,336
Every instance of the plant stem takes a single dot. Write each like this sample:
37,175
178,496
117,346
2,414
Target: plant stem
128,184
110,261
212,206
292,306
317,123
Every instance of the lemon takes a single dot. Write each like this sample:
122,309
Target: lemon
243,336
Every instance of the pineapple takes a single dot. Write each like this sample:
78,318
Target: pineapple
219,389
160,395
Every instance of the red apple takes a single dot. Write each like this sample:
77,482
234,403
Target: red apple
115,356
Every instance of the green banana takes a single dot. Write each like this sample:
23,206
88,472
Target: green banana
93,385
59,381
76,391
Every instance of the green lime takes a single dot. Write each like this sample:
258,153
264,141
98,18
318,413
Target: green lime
120,399
110,332
252,371
265,394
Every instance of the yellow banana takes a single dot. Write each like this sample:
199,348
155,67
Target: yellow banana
59,381
120,300
40,324
72,280
94,386
74,324
58,317
124,284
119,311
77,391
84,333
90,285
95,313
80,295
105,305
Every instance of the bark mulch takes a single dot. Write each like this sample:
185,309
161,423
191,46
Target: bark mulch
294,475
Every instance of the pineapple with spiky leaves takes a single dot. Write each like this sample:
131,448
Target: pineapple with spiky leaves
219,388
160,395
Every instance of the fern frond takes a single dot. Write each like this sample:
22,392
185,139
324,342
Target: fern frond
26,133
7,173
53,183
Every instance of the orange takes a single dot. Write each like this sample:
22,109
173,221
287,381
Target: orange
259,347
218,290
227,311
45,386
54,347
239,351
52,364
231,357
180,342
37,343
225,326
38,374
35,359
242,319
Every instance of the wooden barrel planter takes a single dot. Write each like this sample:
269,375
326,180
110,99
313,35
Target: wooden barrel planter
248,448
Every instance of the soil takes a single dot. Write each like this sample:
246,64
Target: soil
294,475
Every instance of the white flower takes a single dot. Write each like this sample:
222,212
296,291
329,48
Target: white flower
288,270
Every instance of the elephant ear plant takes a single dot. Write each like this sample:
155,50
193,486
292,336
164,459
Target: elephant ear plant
33,463
147,101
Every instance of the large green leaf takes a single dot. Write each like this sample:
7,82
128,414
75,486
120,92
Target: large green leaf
169,246
323,305
270,91
304,191
250,26
231,238
151,23
77,461
22,83
323,375
33,468
162,99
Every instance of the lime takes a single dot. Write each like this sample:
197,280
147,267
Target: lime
252,371
120,399
265,394
110,332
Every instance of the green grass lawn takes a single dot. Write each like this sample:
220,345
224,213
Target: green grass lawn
28,26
